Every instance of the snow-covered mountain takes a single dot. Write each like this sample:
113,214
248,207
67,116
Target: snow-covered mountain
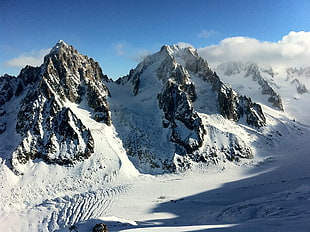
249,79
163,122
175,112
284,89
46,126
73,141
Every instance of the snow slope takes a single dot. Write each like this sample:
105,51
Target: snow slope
269,194
51,196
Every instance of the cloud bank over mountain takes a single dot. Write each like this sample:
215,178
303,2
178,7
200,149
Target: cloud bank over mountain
33,58
293,50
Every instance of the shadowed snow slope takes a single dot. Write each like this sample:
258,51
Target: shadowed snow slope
270,195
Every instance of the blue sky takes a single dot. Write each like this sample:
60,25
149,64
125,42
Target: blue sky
118,33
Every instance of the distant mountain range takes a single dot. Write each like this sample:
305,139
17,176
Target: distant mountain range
171,112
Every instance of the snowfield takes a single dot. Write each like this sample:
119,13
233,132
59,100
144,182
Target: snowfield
270,194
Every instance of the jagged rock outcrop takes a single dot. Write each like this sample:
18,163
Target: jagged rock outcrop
266,89
301,88
101,227
231,105
7,88
76,77
305,71
48,128
295,75
236,107
173,71
252,112
176,102
251,70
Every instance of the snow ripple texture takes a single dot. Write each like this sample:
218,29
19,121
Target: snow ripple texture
68,210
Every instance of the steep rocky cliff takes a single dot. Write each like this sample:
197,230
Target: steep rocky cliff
245,73
47,127
172,75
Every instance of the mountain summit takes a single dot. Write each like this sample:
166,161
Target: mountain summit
45,125
187,100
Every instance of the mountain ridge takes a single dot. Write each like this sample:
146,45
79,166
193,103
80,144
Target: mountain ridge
170,138
48,129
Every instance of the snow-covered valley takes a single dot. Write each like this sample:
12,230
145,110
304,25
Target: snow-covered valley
269,194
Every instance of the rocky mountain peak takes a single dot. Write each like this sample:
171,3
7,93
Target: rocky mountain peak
60,45
177,49
172,75
47,126
71,62
300,78
166,118
76,77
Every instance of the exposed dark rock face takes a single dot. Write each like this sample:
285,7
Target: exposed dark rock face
49,130
180,115
11,86
164,128
101,227
294,75
54,135
232,106
235,107
7,88
175,100
301,88
251,111
74,76
134,79
251,70
227,99
174,67
266,89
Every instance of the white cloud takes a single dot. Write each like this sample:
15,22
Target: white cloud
130,52
293,50
120,49
207,33
140,54
34,58
184,45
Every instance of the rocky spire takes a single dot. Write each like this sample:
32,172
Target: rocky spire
49,129
179,70
75,77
